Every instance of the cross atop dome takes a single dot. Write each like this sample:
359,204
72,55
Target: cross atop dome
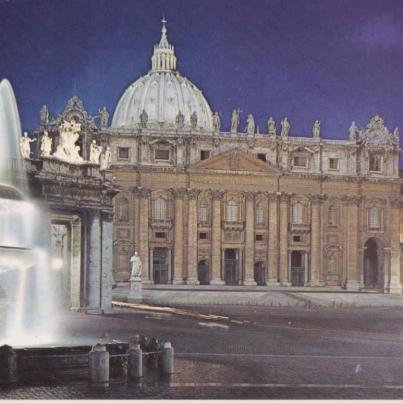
164,58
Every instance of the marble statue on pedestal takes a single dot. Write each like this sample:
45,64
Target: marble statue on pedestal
395,137
180,120
143,118
216,122
271,126
316,129
136,292
44,115
193,120
106,159
103,117
353,131
25,145
67,150
95,152
250,125
285,127
234,120
46,144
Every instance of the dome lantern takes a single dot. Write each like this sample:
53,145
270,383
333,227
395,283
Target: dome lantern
164,58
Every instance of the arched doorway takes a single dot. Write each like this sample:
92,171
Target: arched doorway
371,260
297,268
231,266
203,274
260,275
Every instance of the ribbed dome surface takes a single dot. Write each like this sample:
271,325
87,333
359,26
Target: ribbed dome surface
162,94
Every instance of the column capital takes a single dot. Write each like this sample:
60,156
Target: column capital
141,191
179,193
395,203
317,198
193,193
284,197
250,196
272,196
217,194
352,200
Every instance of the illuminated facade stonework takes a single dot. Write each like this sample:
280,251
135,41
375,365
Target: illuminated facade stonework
203,206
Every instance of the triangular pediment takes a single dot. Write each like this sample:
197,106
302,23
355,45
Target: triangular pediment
236,160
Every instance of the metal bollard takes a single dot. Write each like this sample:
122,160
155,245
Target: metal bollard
135,362
167,358
98,361
8,365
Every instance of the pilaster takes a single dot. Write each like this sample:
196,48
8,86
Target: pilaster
249,241
394,286
192,236
216,279
178,246
273,240
316,201
284,219
106,261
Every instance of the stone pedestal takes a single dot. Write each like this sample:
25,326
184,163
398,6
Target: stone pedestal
136,290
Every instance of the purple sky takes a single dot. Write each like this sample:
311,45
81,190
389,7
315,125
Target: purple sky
332,60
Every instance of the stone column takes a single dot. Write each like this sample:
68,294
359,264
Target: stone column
284,219
75,270
93,261
178,246
273,238
250,240
106,261
394,286
192,237
142,247
217,196
316,201
136,215
352,211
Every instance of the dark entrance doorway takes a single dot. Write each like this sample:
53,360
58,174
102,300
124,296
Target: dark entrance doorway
260,276
203,273
160,266
370,264
297,269
231,270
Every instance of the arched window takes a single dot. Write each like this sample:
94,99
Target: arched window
298,213
332,217
373,218
259,215
159,211
232,211
203,214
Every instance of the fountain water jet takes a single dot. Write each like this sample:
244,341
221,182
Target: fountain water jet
27,303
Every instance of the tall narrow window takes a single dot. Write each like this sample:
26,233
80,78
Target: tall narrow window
159,211
203,214
232,211
332,217
259,216
375,163
298,213
374,221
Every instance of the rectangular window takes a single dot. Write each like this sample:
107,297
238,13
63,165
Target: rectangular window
296,238
300,161
375,163
203,214
262,157
333,164
160,235
259,237
162,154
204,154
123,153
259,217
203,235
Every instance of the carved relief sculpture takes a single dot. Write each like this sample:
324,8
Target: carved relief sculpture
250,125
105,159
46,144
103,117
180,120
25,145
216,122
234,120
67,150
285,128
316,129
143,119
271,127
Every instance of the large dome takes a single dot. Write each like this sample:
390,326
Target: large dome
163,93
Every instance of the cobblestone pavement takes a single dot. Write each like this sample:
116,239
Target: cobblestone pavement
250,352
260,296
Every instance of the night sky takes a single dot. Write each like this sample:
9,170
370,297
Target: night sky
333,60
